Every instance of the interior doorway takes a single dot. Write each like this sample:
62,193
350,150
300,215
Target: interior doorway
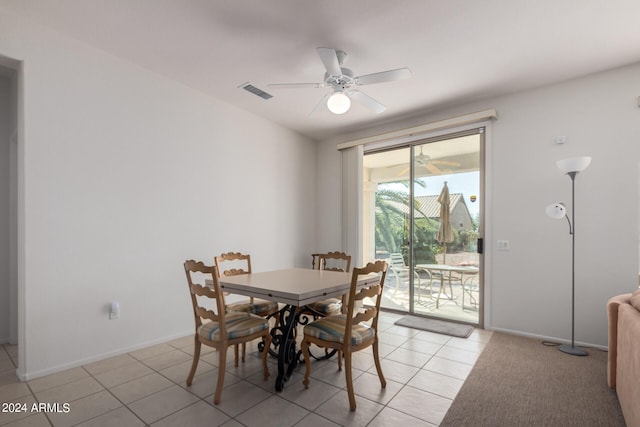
435,261
9,211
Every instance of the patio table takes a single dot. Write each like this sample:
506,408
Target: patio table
446,271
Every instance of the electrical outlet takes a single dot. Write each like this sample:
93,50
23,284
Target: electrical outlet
114,311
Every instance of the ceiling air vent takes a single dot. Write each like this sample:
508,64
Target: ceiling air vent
254,90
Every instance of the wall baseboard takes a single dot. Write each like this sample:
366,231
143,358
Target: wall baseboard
549,339
27,376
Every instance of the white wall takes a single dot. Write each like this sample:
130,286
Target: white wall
529,287
5,255
126,175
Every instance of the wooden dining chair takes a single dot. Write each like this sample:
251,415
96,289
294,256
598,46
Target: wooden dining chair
331,261
234,264
350,332
220,329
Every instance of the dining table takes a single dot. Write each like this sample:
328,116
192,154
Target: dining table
294,289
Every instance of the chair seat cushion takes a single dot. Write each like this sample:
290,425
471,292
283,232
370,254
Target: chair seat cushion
332,329
258,307
327,307
238,324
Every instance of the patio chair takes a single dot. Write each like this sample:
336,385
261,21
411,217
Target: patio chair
220,329
401,273
470,286
350,332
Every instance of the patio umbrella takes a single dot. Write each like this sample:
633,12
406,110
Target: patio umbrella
445,233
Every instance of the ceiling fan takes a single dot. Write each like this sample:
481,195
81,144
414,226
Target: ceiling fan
342,82
425,161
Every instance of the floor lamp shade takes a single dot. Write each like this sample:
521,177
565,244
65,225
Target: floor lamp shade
574,164
556,211
570,167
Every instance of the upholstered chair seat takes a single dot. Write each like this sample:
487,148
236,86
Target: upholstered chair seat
258,307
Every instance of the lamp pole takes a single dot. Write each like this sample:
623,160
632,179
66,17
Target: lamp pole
571,167
565,348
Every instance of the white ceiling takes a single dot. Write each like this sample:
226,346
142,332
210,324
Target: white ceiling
457,50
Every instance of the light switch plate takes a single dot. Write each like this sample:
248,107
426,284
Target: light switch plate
503,245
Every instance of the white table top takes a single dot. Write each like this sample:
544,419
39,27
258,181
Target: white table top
294,286
445,267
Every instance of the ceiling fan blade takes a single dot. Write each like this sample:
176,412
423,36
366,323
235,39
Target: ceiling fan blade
432,168
403,171
295,85
330,60
383,76
367,101
445,163
320,105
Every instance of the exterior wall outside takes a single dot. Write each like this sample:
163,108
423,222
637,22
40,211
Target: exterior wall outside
460,218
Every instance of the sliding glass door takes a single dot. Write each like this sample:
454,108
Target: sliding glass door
423,214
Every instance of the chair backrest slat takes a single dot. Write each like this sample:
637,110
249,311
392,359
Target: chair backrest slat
203,291
368,292
365,316
207,314
397,260
235,272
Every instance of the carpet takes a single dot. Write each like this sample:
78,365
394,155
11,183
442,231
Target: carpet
437,326
518,381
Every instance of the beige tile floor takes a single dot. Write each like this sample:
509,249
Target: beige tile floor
147,387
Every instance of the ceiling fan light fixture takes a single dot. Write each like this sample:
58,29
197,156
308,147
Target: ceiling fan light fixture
343,83
338,103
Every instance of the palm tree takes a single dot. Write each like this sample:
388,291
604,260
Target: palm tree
392,223
390,219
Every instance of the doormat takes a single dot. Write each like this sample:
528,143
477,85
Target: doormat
437,326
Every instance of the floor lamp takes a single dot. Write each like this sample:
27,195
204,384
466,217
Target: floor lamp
570,167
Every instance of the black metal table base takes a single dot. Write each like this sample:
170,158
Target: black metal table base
283,341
